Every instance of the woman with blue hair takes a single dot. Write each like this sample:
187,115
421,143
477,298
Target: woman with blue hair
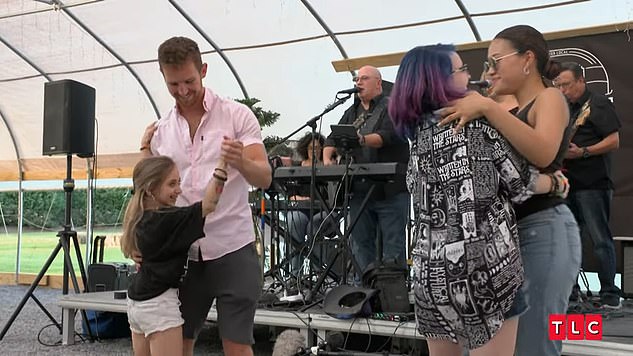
467,263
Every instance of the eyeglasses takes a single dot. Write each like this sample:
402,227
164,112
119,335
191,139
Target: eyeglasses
563,85
362,78
493,63
463,68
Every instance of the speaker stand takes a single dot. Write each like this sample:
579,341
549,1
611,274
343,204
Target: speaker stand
65,237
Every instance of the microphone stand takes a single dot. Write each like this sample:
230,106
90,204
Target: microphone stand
313,124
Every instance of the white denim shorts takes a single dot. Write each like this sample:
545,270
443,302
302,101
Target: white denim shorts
157,314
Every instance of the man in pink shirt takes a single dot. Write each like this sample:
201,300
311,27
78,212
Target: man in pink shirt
200,129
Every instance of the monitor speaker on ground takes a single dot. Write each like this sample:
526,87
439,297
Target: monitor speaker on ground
627,270
69,118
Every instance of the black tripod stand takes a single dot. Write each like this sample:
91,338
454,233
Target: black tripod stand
312,123
345,139
65,236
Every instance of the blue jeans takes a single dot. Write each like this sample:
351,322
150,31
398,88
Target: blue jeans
390,216
299,228
592,209
551,252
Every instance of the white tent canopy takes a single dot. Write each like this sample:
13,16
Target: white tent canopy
277,51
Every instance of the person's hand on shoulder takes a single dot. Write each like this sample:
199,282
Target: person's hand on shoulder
464,110
146,140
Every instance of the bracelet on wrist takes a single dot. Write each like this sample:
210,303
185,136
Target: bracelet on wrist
554,184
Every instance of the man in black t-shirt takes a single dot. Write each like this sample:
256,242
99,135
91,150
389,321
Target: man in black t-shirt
387,208
588,166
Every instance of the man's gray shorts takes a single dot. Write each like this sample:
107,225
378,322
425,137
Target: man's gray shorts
235,280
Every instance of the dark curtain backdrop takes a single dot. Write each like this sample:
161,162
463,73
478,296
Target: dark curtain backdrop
607,59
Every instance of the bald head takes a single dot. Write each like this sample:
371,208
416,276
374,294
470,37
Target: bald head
369,83
370,70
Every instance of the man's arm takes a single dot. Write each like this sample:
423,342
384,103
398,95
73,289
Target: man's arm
251,161
373,140
383,134
606,145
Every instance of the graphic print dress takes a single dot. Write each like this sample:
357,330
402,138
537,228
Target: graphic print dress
466,257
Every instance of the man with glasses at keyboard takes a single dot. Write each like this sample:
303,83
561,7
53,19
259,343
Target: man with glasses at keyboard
387,209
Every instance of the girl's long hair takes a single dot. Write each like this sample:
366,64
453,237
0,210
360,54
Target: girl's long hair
422,86
149,173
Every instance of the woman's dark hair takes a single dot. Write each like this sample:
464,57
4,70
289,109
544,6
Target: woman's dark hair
304,142
526,38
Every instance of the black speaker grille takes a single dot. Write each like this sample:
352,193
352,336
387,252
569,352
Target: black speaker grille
69,114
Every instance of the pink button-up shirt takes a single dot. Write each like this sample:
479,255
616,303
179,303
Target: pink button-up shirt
230,227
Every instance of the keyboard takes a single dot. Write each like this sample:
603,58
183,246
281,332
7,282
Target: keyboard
377,171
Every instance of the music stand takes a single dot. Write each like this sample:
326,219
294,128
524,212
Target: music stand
65,237
345,138
312,124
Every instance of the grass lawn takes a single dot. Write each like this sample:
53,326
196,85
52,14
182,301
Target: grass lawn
38,246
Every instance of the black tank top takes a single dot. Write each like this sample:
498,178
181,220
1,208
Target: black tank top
543,201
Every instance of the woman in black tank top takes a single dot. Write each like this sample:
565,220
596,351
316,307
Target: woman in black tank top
518,61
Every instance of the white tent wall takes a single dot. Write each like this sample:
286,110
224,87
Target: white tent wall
278,49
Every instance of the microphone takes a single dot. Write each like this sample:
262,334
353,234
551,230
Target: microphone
290,343
481,83
353,90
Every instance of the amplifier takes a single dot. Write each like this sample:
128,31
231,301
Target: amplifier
108,276
627,266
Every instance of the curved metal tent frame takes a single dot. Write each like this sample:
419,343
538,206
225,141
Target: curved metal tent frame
465,14
263,47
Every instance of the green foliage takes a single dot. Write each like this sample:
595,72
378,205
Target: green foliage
46,209
271,143
267,118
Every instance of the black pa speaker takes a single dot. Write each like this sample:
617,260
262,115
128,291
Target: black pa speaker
69,118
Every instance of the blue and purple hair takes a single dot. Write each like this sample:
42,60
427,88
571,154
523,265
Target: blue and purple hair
422,86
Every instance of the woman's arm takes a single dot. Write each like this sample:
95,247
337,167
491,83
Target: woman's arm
538,144
520,179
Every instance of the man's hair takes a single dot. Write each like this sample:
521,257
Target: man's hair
177,51
573,67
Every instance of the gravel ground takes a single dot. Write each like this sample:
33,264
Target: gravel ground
22,337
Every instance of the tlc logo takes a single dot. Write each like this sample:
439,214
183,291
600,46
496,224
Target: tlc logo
575,327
